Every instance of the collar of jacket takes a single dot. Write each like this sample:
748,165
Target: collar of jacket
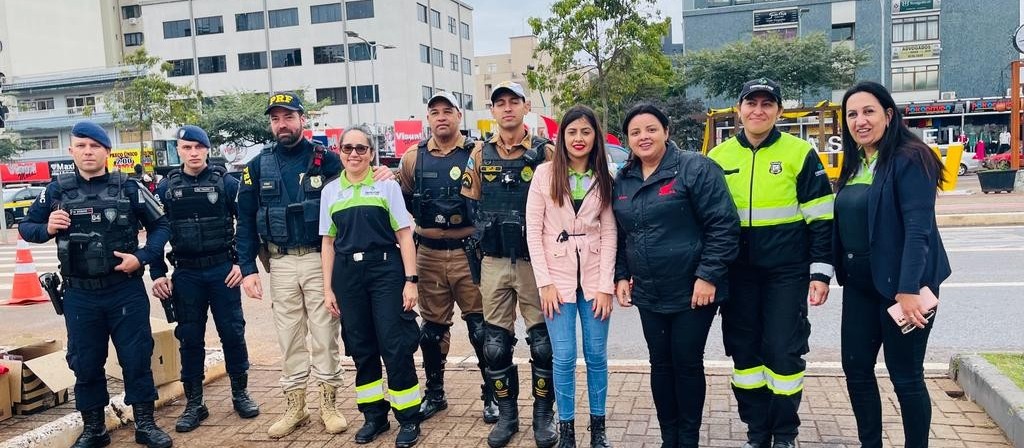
773,136
669,163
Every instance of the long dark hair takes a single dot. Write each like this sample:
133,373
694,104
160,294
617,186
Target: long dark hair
640,109
897,138
597,160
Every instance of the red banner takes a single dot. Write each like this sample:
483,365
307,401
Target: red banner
407,134
552,127
24,172
330,137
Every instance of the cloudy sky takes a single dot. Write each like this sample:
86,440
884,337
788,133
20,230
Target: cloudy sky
497,20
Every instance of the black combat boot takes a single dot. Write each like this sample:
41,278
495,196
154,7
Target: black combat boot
195,410
506,390
598,438
408,435
146,431
544,430
567,434
94,435
376,422
244,405
491,411
431,336
475,327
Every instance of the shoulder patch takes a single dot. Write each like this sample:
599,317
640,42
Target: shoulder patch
470,164
246,178
467,180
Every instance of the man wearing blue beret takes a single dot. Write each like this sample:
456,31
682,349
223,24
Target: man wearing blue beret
199,200
95,216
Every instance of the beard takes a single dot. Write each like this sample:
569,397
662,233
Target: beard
288,138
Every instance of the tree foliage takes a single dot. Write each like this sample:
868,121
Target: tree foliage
142,98
601,53
802,66
238,119
11,145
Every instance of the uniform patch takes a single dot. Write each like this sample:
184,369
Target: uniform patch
490,177
467,180
456,219
775,168
95,217
470,164
526,174
110,214
455,173
267,185
212,197
246,178
42,197
490,169
316,181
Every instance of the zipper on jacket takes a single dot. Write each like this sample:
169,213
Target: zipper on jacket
750,198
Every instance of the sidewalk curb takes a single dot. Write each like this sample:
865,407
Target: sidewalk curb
1002,400
980,219
61,433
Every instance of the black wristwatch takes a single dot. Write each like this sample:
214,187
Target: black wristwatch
412,279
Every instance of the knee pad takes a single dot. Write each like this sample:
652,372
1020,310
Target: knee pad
497,346
475,327
432,333
540,346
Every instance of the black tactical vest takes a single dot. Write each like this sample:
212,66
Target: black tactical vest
437,201
278,219
199,214
100,224
505,185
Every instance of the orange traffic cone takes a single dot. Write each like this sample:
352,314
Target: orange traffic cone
26,289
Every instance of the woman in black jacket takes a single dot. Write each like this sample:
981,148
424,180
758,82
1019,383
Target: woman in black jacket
887,249
677,231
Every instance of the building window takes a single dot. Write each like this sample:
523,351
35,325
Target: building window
337,95
924,77
132,136
44,142
249,21
467,66
180,67
492,68
330,12
435,18
915,28
35,104
280,18
452,27
213,64
464,28
132,39
177,28
131,12
421,12
424,53
437,57
78,104
286,58
458,99
469,102
717,3
428,92
455,62
359,9
365,94
252,61
329,54
209,25
842,32
360,52
781,33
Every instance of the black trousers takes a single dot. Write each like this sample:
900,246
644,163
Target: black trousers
676,344
867,326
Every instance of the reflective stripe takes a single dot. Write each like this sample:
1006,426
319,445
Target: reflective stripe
820,208
403,399
25,268
823,268
785,384
769,215
751,378
369,393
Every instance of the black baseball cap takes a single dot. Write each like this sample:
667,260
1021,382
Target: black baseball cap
287,100
762,85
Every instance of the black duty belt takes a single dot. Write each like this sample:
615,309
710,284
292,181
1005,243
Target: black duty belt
93,283
202,262
372,255
295,250
441,244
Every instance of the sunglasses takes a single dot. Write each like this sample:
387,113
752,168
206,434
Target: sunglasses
359,149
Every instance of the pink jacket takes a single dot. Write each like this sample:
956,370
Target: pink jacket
555,262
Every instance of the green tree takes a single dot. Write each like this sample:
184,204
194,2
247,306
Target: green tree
142,98
600,53
802,66
238,119
11,145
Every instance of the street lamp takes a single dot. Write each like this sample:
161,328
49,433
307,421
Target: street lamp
372,48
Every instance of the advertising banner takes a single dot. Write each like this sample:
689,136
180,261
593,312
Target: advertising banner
407,134
25,172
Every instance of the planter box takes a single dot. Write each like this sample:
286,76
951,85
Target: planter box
997,180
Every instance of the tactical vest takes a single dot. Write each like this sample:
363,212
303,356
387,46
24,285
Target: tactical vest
437,202
100,224
278,219
505,185
200,217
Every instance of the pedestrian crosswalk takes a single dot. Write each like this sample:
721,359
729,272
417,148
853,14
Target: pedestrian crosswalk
43,255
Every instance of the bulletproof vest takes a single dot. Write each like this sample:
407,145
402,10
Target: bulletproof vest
278,219
200,218
437,202
100,224
505,185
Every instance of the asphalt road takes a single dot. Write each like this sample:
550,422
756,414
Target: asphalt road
982,308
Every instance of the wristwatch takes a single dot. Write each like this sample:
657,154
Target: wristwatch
412,278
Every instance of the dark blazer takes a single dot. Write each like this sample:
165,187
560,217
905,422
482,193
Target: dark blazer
906,249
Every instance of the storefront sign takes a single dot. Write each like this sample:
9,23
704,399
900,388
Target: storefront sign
918,51
124,160
899,6
58,167
25,172
933,109
776,17
407,134
999,105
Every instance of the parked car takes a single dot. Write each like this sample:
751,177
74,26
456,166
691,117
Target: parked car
16,201
617,156
968,165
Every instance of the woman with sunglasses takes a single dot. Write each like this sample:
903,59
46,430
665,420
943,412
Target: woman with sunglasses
369,265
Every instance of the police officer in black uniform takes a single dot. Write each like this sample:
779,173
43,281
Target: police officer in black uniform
200,203
95,216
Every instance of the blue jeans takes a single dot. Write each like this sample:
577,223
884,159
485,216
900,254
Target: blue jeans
562,329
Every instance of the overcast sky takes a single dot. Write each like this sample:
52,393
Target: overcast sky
497,20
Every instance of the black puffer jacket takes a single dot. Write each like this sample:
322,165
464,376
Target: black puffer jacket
676,226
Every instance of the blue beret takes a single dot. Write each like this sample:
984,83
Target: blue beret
88,129
194,134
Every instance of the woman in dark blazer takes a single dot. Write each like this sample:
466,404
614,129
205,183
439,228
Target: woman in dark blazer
887,248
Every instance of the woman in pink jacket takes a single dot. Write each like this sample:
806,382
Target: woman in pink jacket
570,231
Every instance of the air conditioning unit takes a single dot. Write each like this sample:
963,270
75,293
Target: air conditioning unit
133,21
947,96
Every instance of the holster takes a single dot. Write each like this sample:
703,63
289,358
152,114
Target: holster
472,248
50,282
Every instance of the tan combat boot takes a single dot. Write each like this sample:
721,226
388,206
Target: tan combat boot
293,417
333,420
